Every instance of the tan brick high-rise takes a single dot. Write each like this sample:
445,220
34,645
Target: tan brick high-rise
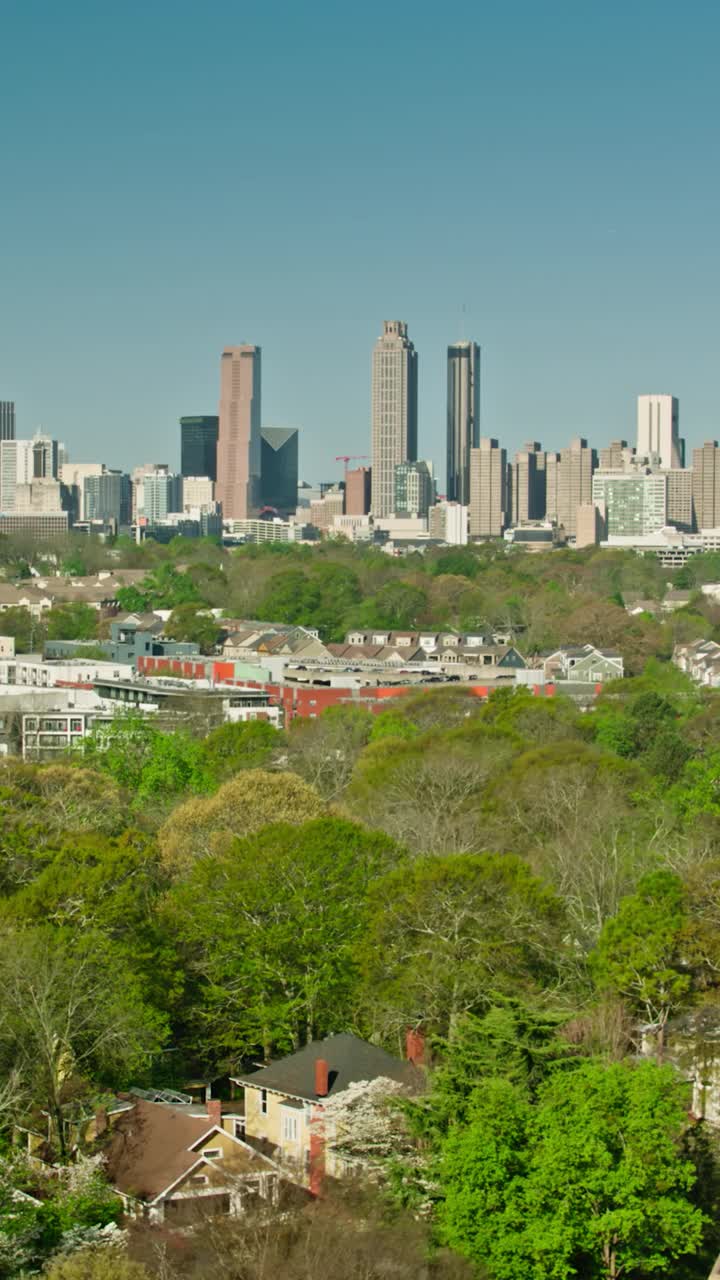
488,490
238,449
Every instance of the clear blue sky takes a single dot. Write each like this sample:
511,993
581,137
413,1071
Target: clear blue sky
177,176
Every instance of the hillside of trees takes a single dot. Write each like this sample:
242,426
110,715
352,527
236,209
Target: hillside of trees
535,888
563,597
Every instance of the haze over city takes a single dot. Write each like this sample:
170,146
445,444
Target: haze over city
542,180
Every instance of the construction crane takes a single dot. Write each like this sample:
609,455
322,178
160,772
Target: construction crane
351,457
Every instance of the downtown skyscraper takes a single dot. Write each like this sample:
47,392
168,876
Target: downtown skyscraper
463,417
394,411
7,420
238,448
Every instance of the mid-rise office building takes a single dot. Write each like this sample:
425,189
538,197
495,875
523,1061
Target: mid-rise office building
394,411
463,417
569,483
706,485
635,501
108,497
658,430
73,475
488,490
448,522
16,468
615,455
161,494
414,488
45,457
279,468
526,484
358,481
198,446
7,420
324,510
680,499
197,491
238,454
137,477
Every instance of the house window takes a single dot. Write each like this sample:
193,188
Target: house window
263,1102
212,1153
239,1128
290,1127
200,1179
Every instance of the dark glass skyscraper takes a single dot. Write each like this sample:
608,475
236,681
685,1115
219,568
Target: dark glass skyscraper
7,420
198,446
463,417
279,468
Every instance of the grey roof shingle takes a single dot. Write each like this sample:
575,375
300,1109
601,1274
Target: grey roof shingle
349,1060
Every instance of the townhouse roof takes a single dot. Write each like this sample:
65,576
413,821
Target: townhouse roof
349,1060
154,1144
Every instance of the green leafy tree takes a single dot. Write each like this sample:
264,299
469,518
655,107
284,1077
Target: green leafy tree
187,622
591,1181
270,929
444,934
244,745
70,1009
639,953
152,765
27,631
75,621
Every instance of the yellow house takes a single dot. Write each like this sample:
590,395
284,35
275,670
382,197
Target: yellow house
284,1101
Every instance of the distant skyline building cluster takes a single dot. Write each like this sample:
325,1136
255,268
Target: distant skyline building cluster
240,479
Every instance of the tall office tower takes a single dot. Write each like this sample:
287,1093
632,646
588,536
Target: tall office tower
73,475
279,468
108,497
161,494
526,484
658,430
569,483
7,419
488,490
198,446
238,453
680,499
635,501
463,417
613,457
414,488
706,486
45,457
394,411
358,481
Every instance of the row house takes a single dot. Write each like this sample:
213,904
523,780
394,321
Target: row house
431,642
700,659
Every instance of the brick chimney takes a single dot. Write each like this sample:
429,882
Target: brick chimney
214,1110
415,1046
322,1078
101,1121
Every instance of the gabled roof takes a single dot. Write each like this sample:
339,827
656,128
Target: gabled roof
153,1145
349,1060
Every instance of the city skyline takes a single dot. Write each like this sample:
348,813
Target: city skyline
581,296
